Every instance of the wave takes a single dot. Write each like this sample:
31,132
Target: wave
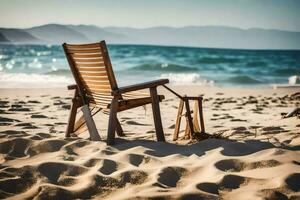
243,79
256,64
186,79
21,80
288,72
163,67
217,60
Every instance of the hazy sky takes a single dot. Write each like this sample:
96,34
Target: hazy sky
270,14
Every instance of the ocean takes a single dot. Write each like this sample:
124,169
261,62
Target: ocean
46,65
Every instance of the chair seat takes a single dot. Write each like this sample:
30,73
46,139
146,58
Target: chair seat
125,104
129,100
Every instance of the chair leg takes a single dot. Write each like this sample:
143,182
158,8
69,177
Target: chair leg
195,117
189,117
119,129
156,115
187,132
201,115
94,135
112,123
72,117
178,120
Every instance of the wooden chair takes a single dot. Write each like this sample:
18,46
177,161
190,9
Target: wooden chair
96,87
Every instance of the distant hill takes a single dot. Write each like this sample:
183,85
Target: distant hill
3,39
57,34
19,36
197,36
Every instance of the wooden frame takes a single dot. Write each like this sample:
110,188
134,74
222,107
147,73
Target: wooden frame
96,86
192,125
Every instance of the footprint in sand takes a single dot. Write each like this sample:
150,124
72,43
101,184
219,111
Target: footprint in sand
235,165
27,126
231,182
18,108
24,180
108,167
33,101
4,119
272,130
170,176
50,145
38,116
293,182
15,148
135,177
53,170
228,182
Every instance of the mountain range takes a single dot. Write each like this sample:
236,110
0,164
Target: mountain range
196,36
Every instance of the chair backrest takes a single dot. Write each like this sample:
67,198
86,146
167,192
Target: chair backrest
92,70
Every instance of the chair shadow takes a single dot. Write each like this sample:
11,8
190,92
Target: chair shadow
228,147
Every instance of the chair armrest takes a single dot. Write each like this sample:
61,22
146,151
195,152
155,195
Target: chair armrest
140,86
72,87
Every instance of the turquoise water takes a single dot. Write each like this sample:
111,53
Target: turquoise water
24,65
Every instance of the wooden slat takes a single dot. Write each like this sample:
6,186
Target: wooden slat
101,101
88,60
100,73
100,64
95,55
97,87
95,78
100,97
75,46
105,82
92,69
99,94
84,51
100,90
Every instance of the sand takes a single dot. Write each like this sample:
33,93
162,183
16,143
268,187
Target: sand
257,156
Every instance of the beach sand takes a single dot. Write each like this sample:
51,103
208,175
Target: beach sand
258,156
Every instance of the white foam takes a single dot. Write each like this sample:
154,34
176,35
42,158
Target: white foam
186,79
21,80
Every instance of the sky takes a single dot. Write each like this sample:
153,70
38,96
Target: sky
268,14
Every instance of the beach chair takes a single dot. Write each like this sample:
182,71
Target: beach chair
96,87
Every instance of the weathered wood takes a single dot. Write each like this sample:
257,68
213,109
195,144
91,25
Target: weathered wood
156,115
83,46
187,131
195,117
112,122
192,123
72,117
80,125
150,84
94,135
83,56
84,51
89,60
178,120
108,65
189,117
119,129
201,115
